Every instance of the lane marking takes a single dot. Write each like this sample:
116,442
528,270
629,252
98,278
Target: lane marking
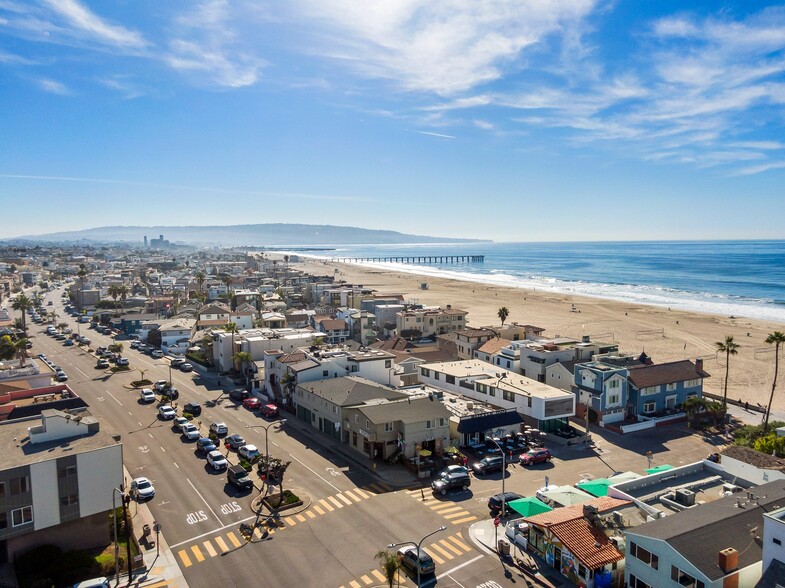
355,584
81,372
313,472
175,465
360,493
203,500
456,568
454,515
290,521
218,530
162,449
115,399
151,435
352,496
436,558
140,424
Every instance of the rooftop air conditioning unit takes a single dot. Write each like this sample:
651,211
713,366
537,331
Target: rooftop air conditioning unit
685,497
617,542
470,406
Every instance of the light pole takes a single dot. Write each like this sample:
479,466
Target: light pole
394,545
266,446
504,475
116,544
169,365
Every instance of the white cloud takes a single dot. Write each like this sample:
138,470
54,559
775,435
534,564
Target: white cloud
84,21
54,87
435,134
483,124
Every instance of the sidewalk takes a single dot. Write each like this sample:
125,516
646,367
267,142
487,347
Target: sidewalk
159,561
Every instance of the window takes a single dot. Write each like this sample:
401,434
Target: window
435,375
450,379
645,556
67,472
442,422
426,373
2,489
492,391
636,583
69,500
481,388
509,396
325,373
649,407
648,390
388,363
388,427
429,424
3,520
776,541
670,387
22,516
613,384
692,383
684,578
613,399
20,485
357,419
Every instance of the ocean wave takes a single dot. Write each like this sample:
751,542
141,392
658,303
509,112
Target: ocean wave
703,302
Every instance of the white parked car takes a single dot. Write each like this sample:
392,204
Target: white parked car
146,395
219,428
166,413
217,460
248,452
190,432
179,423
142,489
122,361
161,385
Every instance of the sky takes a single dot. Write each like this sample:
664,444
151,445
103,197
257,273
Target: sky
528,120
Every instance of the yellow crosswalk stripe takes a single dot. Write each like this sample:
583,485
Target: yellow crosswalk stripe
233,538
450,546
366,579
355,584
442,552
465,520
184,558
318,509
222,544
258,533
437,506
459,543
300,518
335,501
326,505
346,500
208,547
361,493
451,509
436,558
197,553
379,576
352,496
310,514
453,515
290,521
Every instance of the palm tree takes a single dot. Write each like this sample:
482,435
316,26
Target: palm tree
123,291
778,338
390,566
23,304
20,346
52,316
231,328
114,292
728,347
503,313
200,278
244,358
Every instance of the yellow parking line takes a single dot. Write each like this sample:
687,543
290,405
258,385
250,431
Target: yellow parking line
360,493
452,515
466,520
346,500
290,521
222,544
310,514
184,557
233,538
301,518
460,543
443,552
450,546
318,509
208,547
366,579
352,496
355,584
379,576
326,505
335,501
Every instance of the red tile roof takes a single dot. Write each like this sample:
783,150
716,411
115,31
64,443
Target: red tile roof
568,513
586,542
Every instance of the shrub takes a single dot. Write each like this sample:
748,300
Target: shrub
38,562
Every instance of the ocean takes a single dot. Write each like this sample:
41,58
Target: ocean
727,278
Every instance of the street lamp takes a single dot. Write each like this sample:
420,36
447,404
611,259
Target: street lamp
266,446
504,475
394,545
116,543
169,365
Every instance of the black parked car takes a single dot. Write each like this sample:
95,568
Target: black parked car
491,463
495,501
454,481
205,445
239,394
234,441
193,407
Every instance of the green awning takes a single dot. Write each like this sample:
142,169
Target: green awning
597,487
529,506
660,468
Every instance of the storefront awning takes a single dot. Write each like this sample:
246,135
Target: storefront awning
493,420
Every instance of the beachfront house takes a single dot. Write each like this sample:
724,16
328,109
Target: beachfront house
429,322
601,388
661,389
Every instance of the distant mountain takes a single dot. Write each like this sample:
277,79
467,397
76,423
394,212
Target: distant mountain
275,234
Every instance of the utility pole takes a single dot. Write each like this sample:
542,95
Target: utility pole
126,501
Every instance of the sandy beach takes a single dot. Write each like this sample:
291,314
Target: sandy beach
665,335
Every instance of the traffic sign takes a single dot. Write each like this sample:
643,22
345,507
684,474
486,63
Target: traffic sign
496,521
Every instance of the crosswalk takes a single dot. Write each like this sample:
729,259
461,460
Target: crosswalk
454,513
441,551
229,540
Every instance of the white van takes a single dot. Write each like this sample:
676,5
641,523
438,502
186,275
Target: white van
94,583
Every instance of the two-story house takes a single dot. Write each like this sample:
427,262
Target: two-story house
213,315
429,322
335,331
659,389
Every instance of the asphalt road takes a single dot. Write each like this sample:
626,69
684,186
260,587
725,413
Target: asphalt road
349,515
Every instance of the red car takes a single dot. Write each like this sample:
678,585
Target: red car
269,410
252,403
535,456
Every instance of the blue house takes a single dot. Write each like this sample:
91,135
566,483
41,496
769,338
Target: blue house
601,388
660,389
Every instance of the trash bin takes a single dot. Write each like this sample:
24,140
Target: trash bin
503,547
146,530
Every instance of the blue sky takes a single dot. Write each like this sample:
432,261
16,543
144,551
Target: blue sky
513,121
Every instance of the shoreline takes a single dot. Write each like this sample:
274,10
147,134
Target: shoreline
665,334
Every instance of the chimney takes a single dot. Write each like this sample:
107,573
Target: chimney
586,339
699,364
728,560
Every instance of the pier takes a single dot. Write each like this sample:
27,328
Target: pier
417,259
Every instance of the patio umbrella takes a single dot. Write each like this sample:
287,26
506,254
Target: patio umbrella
451,449
529,506
660,468
597,487
425,453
